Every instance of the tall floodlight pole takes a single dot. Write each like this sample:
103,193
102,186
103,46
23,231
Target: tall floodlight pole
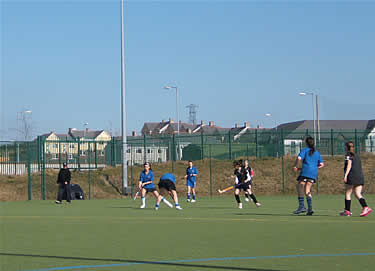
123,109
317,116
178,117
313,108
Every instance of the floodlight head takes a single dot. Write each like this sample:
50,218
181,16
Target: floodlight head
302,93
167,87
27,111
267,115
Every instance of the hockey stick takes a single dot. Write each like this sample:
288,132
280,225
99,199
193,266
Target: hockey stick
226,189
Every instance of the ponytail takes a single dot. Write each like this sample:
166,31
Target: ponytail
350,148
310,143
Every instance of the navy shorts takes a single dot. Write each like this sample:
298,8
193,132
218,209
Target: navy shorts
167,184
305,179
243,186
150,190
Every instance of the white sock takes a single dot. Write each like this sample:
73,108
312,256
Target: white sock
143,201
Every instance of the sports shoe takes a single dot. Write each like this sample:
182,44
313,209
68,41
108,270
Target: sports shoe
143,206
310,212
188,200
299,210
178,207
366,211
247,199
156,208
345,213
258,204
193,200
58,202
240,205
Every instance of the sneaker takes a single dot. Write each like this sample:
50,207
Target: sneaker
156,208
193,200
188,200
68,202
366,211
178,207
247,199
58,202
345,213
143,206
240,205
310,212
299,210
258,204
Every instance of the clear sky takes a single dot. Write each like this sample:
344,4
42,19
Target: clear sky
237,60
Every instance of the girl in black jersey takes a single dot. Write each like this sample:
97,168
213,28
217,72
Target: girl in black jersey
354,180
249,192
240,178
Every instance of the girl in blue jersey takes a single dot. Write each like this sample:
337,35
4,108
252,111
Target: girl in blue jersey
190,177
168,182
311,161
146,185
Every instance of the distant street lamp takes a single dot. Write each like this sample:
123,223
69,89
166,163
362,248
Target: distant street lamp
178,118
313,110
269,115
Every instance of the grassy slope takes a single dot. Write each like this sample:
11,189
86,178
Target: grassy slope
267,181
101,230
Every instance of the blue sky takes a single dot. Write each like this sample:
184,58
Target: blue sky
237,60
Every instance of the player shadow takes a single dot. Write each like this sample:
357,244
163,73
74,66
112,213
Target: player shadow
282,215
165,263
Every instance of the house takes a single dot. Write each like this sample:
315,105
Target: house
74,142
331,136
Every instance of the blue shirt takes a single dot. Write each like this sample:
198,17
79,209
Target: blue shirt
310,163
190,172
168,176
147,178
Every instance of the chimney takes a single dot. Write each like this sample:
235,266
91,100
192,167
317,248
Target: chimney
236,125
211,123
134,133
202,122
180,122
188,130
87,130
171,120
246,124
162,121
259,127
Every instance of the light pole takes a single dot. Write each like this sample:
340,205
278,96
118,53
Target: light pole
313,110
269,115
124,161
178,118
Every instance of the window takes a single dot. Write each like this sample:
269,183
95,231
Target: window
159,151
101,153
139,150
82,152
71,146
70,156
54,156
149,151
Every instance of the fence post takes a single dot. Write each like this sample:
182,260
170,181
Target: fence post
356,141
28,171
43,142
131,171
173,152
202,139
89,156
39,152
256,143
332,142
247,151
230,145
209,146
96,154
79,153
59,155
282,159
144,149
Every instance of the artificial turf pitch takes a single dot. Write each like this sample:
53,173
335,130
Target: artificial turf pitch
211,234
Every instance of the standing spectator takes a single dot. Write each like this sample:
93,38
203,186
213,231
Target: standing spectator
311,161
191,177
353,179
63,180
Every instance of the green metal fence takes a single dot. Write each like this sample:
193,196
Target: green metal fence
38,157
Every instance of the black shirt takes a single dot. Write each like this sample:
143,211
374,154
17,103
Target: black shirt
355,173
64,176
241,174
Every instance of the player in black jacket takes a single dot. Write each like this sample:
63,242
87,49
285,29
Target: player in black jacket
354,180
63,180
241,181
